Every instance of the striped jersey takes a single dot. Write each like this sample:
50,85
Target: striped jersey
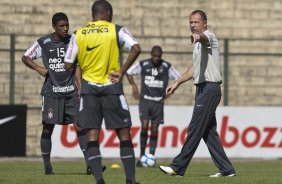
154,78
58,81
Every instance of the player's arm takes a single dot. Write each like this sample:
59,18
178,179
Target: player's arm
132,56
128,42
70,57
33,53
77,76
187,75
135,91
134,70
115,77
200,37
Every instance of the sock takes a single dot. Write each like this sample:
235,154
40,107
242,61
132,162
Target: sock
46,145
143,141
82,140
95,160
128,160
153,144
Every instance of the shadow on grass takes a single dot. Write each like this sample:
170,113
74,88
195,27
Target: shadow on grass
65,174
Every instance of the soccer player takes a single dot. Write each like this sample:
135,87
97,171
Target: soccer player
155,74
205,71
61,88
96,47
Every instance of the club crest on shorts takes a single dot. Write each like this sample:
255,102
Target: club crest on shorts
50,113
126,120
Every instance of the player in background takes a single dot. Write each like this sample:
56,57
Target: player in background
96,47
155,74
61,88
206,73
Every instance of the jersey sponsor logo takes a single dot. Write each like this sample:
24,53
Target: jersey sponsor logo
91,48
57,89
95,30
150,81
46,40
51,50
32,53
56,64
7,119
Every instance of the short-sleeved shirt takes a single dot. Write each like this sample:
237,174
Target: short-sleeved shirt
154,78
206,61
97,46
58,82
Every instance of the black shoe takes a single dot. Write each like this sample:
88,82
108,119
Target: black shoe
139,164
104,168
101,181
89,172
130,182
49,172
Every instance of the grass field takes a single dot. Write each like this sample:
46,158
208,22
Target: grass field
30,171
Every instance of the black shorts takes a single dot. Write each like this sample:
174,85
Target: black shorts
59,111
151,110
96,108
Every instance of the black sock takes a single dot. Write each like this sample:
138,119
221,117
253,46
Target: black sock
95,160
82,140
153,144
46,146
143,141
128,160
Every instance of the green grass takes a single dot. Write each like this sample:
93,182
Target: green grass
28,171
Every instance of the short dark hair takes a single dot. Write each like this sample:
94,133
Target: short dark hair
59,16
100,6
202,13
157,48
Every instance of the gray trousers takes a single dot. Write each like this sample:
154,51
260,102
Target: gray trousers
203,125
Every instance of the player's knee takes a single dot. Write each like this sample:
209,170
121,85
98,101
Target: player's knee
144,132
91,144
81,132
126,143
45,135
154,137
48,128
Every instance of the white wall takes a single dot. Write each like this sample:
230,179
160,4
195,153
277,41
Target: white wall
246,132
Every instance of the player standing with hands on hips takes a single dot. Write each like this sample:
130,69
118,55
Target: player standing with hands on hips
155,74
60,91
96,47
205,71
